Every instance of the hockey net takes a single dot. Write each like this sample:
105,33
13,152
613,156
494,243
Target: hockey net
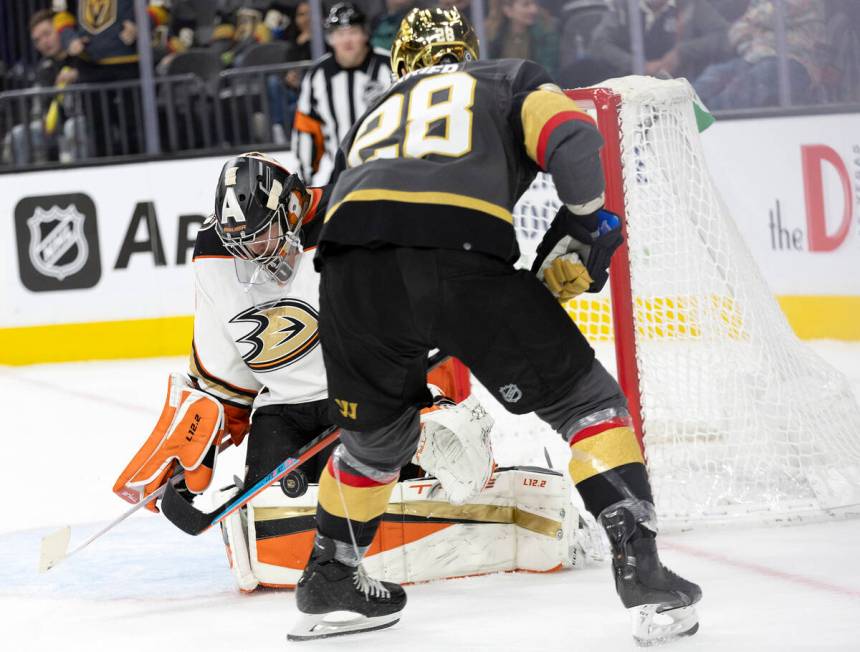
740,420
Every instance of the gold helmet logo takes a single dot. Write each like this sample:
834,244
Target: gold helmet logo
428,37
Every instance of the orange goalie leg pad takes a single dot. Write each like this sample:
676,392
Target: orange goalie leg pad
188,430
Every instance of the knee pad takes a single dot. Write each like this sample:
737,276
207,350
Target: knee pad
386,449
595,397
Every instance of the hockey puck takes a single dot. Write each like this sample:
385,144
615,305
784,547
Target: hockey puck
294,484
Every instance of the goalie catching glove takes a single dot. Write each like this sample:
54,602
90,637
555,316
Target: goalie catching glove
187,435
454,446
574,254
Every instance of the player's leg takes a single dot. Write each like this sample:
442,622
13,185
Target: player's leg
376,368
278,431
524,349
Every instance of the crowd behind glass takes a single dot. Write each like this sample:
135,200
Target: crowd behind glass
740,55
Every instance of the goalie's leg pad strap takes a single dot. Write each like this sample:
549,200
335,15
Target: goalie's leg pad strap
349,497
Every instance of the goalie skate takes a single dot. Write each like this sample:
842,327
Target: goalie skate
337,599
659,601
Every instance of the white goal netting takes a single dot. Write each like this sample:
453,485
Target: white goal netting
741,419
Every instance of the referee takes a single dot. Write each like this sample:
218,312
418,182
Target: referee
336,92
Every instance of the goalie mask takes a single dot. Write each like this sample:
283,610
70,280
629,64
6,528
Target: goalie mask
429,37
259,207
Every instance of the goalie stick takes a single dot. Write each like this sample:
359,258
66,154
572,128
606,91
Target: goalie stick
193,521
54,548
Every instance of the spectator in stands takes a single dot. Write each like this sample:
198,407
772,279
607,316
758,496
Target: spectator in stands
103,38
841,52
731,10
237,31
520,29
336,91
385,25
284,92
299,33
681,37
751,78
47,131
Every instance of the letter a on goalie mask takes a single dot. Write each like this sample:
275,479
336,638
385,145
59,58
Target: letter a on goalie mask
455,447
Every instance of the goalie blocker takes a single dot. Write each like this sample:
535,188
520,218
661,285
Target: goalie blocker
524,520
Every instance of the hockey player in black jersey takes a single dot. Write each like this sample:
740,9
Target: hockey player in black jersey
416,253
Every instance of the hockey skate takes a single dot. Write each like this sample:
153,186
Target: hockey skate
337,599
659,601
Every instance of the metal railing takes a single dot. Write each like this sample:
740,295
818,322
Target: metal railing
246,107
86,122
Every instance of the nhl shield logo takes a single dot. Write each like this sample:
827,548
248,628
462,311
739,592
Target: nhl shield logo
58,247
58,244
511,393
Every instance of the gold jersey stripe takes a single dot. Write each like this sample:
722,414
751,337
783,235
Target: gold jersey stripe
362,503
539,108
609,449
434,198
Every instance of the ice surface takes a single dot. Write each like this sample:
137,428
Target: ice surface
69,429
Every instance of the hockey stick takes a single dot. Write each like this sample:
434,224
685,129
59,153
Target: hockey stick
193,521
55,545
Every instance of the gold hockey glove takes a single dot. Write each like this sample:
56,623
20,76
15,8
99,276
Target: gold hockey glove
566,277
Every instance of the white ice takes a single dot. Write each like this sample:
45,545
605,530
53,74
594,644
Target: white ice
69,429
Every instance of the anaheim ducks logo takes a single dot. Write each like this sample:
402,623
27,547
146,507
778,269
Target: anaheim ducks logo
286,331
97,15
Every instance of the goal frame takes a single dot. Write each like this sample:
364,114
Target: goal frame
606,104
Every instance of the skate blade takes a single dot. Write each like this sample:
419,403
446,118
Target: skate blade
653,627
315,626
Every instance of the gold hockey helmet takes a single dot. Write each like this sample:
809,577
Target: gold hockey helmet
428,37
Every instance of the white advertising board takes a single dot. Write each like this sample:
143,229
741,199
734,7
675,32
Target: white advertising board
793,188
102,243
114,242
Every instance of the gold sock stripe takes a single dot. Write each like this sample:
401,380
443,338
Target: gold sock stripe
603,451
363,503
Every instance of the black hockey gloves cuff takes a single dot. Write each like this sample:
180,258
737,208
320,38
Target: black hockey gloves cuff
588,240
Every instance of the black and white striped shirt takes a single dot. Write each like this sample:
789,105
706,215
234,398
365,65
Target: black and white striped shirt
331,100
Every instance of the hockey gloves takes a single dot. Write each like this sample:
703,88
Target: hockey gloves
575,252
455,447
186,436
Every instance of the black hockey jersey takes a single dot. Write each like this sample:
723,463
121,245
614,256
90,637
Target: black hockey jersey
442,157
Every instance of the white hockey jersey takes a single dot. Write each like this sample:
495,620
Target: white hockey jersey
257,346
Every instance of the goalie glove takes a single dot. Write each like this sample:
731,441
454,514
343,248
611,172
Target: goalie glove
454,446
574,254
187,435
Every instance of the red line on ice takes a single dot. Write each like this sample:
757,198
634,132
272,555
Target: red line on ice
764,570
42,384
